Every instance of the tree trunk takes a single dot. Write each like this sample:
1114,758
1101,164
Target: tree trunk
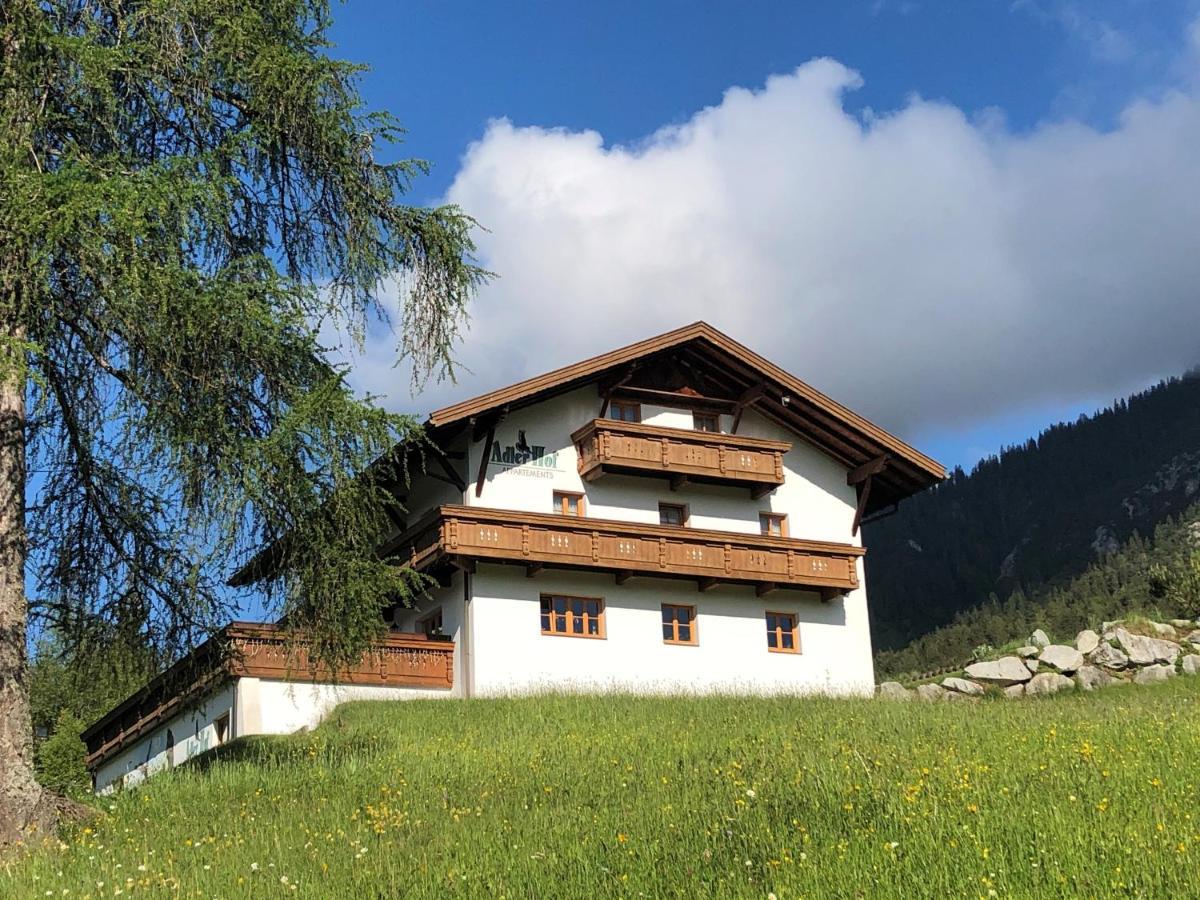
22,804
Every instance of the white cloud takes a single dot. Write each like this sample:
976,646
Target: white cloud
923,267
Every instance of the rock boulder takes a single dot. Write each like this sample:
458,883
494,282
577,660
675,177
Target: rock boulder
1151,674
1109,657
1049,683
1060,656
1144,651
1003,671
1039,639
1089,678
1087,641
931,692
1190,664
893,690
962,686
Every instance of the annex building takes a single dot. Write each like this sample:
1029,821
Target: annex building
677,515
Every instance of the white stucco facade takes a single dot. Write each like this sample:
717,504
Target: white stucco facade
493,612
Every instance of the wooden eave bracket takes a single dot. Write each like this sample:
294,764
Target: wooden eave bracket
751,396
861,477
607,392
486,457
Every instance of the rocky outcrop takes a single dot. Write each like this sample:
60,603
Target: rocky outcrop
1120,654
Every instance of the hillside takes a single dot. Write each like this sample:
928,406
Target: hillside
1036,515
1073,795
1157,575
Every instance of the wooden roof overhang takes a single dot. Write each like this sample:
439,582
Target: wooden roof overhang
729,377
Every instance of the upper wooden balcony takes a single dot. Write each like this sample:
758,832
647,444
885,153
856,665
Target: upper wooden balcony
680,455
247,649
464,535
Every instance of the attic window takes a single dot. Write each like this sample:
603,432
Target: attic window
705,421
625,411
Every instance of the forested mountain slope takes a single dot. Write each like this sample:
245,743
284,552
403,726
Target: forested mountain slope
1036,515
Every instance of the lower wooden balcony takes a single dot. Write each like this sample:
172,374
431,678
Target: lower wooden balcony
246,649
464,535
679,455
397,660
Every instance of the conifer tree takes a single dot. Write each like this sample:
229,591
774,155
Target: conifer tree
190,194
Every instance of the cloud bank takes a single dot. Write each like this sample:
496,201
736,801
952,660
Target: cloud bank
927,268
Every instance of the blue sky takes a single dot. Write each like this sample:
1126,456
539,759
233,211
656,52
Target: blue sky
1014,72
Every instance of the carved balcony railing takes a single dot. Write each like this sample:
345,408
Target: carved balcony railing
464,535
262,651
398,660
680,455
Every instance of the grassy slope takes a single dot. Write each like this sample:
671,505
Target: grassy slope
561,796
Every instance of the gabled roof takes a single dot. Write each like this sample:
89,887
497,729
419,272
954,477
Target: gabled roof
746,379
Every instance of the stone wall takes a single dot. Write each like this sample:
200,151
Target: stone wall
1138,651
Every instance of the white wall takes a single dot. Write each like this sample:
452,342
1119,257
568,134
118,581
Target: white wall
450,601
193,731
818,502
512,655
286,707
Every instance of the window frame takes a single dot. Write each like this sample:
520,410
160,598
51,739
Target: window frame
766,517
601,628
685,514
676,641
625,404
560,504
715,418
779,632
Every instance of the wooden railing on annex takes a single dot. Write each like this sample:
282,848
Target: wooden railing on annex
398,660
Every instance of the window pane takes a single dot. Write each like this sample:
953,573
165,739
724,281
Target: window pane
787,640
668,632
545,604
545,621
593,625
560,604
685,632
573,506
771,639
577,624
683,614
772,622
593,608
560,623
668,613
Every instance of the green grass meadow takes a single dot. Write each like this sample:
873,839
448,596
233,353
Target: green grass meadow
1089,795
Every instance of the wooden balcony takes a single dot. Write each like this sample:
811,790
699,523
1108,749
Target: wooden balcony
399,660
261,651
464,535
680,455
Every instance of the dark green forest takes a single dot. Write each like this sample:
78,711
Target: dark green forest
1022,525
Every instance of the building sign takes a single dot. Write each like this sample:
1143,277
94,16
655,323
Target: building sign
524,458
